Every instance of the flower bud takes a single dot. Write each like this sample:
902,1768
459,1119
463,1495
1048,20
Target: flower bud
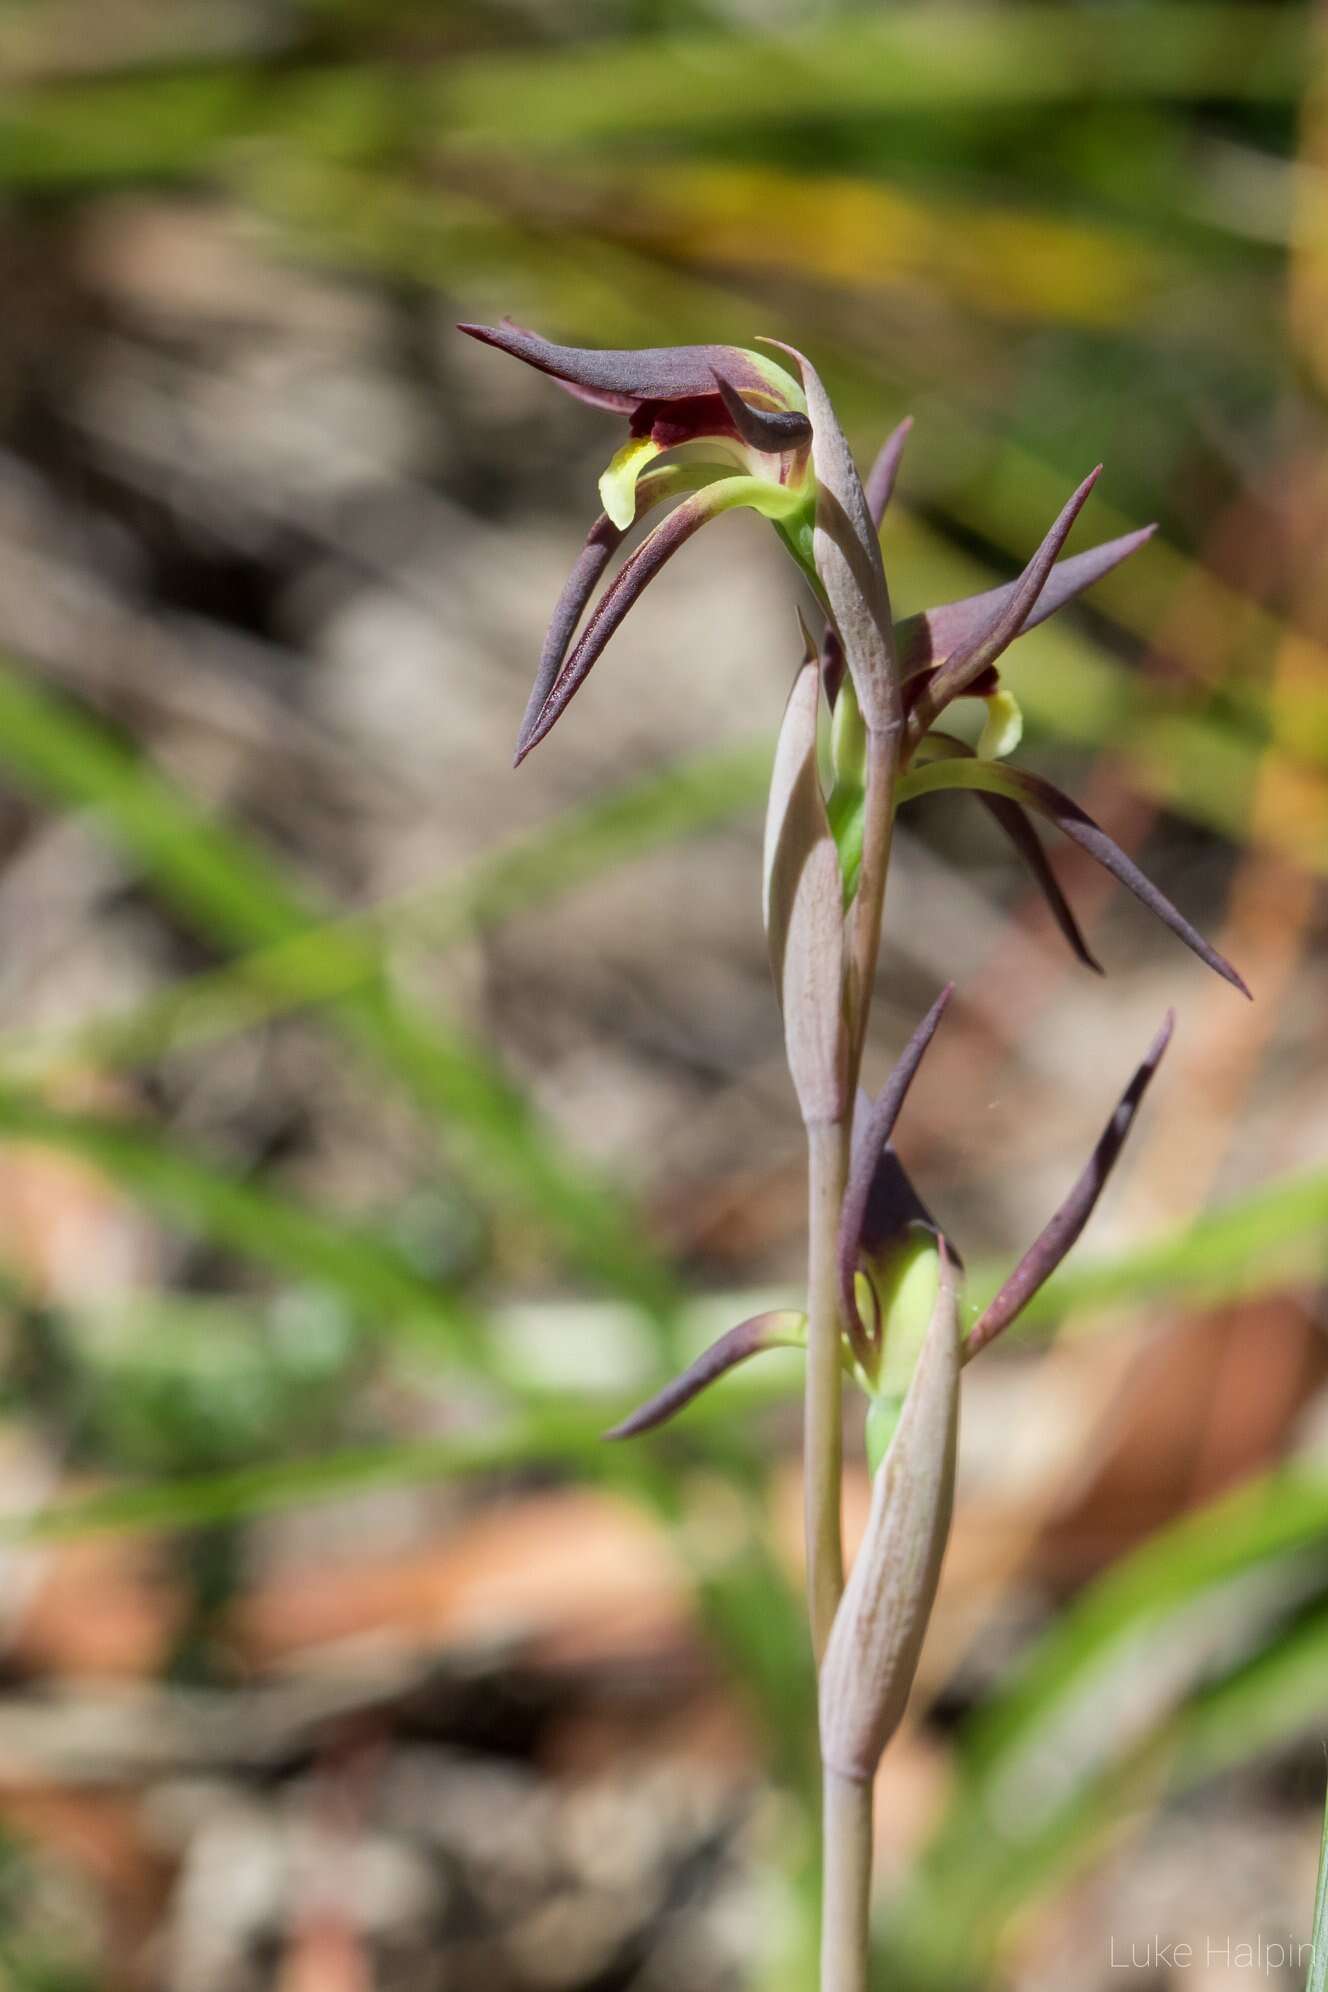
876,1638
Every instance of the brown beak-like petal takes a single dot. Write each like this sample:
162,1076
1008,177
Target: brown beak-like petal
969,660
623,378
1046,1253
933,637
870,1148
771,430
782,1329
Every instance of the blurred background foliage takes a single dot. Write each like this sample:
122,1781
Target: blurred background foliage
377,1123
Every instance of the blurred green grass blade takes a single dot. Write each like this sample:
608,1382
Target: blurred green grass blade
251,1218
1318,1972
234,893
914,58
683,800
175,124
106,131
1044,1764
205,1500
1270,1517
1277,1695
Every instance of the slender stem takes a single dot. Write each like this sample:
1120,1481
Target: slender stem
883,749
846,1825
823,1441
847,1807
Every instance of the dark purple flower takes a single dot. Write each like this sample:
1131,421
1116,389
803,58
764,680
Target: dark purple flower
744,422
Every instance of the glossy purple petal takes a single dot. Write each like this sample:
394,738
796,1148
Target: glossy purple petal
935,635
869,1150
969,660
1046,1253
777,1330
1076,824
881,478
636,573
771,430
624,377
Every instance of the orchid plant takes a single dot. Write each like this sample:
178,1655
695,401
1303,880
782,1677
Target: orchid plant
712,428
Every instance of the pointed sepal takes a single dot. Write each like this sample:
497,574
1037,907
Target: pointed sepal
969,660
1047,1251
879,1200
783,1328
1032,792
934,636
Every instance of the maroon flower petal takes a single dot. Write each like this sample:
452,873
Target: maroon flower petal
935,635
1014,822
881,478
623,377
1046,1253
869,1149
644,564
1011,819
763,1331
1076,824
769,429
968,660
602,542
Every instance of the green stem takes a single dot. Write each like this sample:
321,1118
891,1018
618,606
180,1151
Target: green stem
846,1825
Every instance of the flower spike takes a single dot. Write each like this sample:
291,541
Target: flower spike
1050,1247
784,1328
